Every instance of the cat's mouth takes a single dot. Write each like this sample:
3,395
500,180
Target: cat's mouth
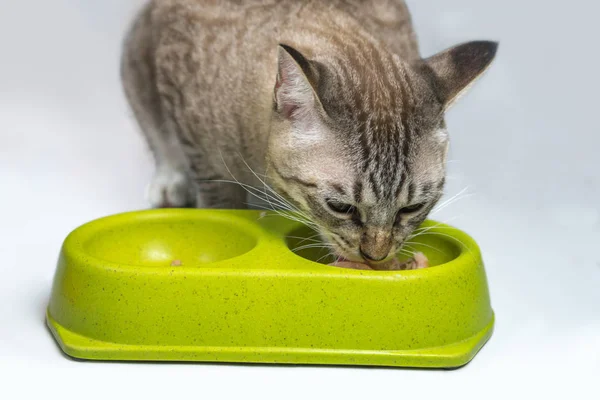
382,265
341,256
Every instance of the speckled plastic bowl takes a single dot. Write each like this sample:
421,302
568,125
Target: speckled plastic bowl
241,295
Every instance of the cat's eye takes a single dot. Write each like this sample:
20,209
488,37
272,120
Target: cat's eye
411,209
408,210
340,208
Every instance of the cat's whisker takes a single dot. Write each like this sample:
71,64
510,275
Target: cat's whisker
330,254
408,253
456,197
405,252
264,196
438,225
259,207
301,220
310,238
268,209
310,246
450,237
265,185
306,239
250,189
428,246
416,235
408,246
300,217
268,198
446,204
303,237
284,215
271,203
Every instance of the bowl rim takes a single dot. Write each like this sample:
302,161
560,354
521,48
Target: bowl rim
74,246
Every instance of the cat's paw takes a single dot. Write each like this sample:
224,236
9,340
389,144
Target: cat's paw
170,188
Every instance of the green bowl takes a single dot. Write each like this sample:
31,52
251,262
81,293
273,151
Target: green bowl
241,295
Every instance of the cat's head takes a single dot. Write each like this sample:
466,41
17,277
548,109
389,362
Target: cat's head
360,148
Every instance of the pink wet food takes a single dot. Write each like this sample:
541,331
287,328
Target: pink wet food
418,261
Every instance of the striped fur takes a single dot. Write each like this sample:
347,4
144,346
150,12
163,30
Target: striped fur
329,101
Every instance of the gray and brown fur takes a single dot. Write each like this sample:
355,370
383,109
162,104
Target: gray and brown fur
329,100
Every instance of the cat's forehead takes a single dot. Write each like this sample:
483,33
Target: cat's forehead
392,166
386,91
410,188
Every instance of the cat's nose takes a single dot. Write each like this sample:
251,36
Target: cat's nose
375,245
371,258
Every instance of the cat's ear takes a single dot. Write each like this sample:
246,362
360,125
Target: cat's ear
294,95
456,69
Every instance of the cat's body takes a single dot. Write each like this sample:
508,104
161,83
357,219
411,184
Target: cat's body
329,102
205,71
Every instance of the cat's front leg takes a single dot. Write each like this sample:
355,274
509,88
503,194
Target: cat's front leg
171,187
215,193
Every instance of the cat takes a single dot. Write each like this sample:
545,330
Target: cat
323,107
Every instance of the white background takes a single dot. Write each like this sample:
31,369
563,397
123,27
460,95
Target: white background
525,142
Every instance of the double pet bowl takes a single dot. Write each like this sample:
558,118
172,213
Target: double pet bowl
225,286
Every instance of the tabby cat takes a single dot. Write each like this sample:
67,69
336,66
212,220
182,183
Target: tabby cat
323,107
